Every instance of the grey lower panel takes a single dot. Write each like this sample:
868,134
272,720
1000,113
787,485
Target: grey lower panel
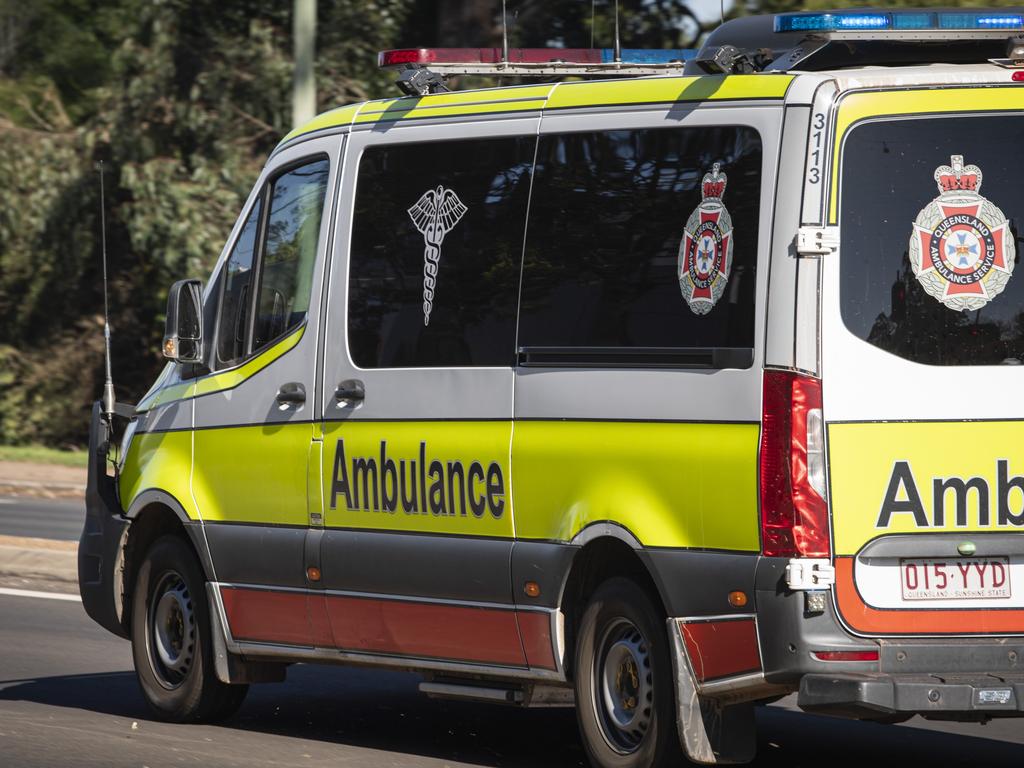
258,554
697,583
547,564
417,565
960,697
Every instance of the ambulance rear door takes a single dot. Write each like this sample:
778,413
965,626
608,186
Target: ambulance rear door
921,356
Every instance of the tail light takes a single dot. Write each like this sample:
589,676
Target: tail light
794,514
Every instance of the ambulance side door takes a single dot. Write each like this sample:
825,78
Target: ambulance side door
255,413
418,391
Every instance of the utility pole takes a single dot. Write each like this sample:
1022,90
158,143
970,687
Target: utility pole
304,83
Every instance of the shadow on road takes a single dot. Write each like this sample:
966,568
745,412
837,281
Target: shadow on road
384,711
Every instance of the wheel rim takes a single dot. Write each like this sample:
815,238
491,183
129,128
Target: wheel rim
171,628
623,686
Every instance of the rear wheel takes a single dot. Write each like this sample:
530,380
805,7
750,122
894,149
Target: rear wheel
625,702
171,641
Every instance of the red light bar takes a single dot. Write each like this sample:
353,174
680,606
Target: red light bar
491,61
845,655
425,56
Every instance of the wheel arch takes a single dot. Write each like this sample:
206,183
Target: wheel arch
154,513
605,550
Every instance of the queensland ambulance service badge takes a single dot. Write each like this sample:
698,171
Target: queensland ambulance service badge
961,249
705,252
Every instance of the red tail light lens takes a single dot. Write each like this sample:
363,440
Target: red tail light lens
845,655
794,515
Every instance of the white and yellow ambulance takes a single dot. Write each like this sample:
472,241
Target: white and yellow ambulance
662,394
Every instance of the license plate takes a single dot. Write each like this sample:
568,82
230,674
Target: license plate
954,579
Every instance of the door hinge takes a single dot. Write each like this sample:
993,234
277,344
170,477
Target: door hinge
817,241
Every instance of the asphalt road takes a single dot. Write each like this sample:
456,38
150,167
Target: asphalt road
41,518
68,698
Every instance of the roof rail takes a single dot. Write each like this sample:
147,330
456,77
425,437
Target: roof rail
424,70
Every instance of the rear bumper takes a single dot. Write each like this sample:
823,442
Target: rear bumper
961,678
955,697
101,545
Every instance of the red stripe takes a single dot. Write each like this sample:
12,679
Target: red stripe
504,637
433,630
877,621
721,648
535,627
268,617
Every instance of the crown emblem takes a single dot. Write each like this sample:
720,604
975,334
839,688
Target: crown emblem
713,185
957,177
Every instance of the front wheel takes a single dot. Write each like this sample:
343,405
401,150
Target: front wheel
171,640
625,701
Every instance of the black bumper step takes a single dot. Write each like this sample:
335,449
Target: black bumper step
876,695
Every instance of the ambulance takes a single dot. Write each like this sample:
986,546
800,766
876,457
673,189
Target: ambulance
677,384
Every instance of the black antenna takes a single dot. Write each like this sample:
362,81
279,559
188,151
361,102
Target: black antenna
108,384
618,44
504,34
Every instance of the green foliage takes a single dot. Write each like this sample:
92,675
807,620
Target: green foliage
43,455
182,100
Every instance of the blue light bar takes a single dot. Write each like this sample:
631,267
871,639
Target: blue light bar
898,21
648,55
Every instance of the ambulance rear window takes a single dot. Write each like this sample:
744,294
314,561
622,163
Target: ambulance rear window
642,244
930,210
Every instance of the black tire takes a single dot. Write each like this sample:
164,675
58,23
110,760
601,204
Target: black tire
171,642
625,697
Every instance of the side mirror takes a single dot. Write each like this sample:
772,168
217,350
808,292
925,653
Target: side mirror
183,333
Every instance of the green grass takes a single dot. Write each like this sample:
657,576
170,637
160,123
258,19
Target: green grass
42,455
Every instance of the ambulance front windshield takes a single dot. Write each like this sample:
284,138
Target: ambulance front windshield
929,212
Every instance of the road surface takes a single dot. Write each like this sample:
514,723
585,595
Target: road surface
68,697
41,518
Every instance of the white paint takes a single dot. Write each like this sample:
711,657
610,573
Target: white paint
42,595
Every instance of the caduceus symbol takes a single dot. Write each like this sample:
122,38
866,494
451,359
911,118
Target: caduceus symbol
435,214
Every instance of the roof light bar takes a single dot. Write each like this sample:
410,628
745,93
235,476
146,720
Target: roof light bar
534,61
899,21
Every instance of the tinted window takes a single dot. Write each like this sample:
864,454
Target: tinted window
609,261
237,276
928,253
292,233
435,254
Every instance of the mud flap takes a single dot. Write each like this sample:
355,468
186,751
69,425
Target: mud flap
100,547
232,669
709,732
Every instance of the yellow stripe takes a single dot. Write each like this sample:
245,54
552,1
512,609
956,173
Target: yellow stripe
527,98
859,106
253,474
521,99
668,90
863,466
225,379
332,119
235,376
161,460
672,485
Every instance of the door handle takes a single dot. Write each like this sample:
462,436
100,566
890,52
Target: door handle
292,393
350,390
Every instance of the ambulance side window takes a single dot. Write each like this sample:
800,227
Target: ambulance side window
235,301
609,217
289,254
435,252
280,247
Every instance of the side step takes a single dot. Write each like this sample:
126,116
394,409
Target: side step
515,695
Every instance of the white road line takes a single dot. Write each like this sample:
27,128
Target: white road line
43,595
